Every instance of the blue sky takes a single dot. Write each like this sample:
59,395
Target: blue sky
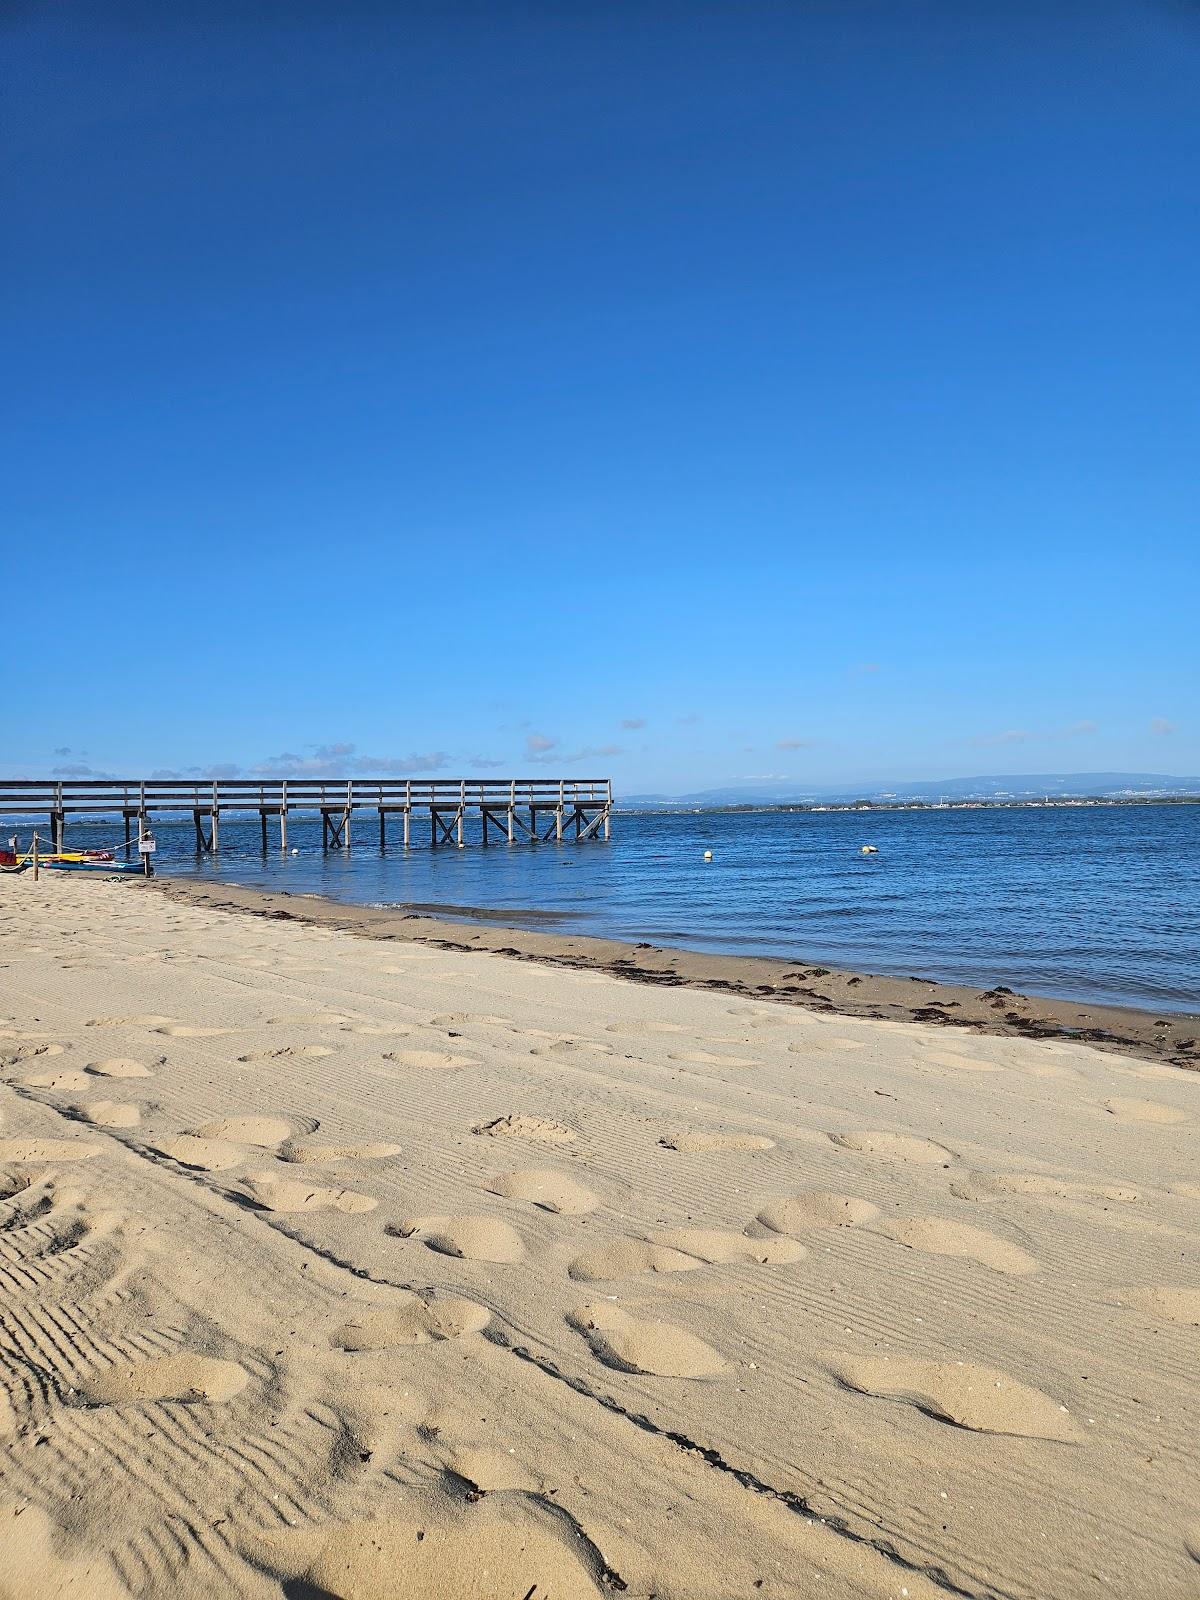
692,392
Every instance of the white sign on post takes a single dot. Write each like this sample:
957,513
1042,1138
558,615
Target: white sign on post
147,844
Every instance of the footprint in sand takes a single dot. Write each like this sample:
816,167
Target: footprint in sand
1128,1109
264,1132
518,1126
429,1058
285,1195
1189,1191
46,1150
796,1213
680,1250
986,1184
181,1031
118,1067
657,1349
301,1153
706,1058
897,1147
15,1054
978,1398
60,1082
960,1063
1173,1304
694,1141
307,1052
130,1022
417,1320
113,1114
637,1028
185,1377
548,1190
468,1238
940,1237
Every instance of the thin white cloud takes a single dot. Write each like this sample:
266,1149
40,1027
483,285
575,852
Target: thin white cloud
632,723
539,747
1161,726
1009,736
793,744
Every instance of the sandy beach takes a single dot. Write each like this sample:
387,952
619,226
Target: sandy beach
336,1262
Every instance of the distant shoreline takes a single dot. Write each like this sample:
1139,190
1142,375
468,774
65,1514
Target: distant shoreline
1061,803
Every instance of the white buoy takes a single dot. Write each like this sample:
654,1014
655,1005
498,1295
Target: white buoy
295,852
870,850
708,855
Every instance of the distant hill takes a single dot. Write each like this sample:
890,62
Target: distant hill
1025,786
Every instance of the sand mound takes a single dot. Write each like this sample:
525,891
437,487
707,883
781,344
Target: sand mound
60,1082
261,1131
416,1321
896,1146
184,1377
814,1209
697,1142
508,1544
470,1238
978,1398
626,1258
206,1155
119,1067
113,1114
302,1153
940,1237
543,1129
656,1348
549,1190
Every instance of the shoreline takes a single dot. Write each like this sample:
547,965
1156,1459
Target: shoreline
1162,1035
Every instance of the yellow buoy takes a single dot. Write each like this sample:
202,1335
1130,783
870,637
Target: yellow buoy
708,855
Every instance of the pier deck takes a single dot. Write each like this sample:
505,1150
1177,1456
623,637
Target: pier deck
531,810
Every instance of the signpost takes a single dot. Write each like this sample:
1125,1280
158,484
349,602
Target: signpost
147,845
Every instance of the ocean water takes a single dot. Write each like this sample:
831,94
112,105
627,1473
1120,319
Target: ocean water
1099,904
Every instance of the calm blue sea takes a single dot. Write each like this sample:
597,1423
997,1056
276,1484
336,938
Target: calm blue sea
1098,904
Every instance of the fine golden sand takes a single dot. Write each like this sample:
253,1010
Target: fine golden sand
344,1266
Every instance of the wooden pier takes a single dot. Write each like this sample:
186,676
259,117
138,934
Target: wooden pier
528,810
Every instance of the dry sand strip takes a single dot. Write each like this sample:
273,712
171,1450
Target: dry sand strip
334,1266
1169,1036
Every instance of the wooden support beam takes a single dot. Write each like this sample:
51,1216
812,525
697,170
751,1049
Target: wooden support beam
262,818
283,828
407,816
382,829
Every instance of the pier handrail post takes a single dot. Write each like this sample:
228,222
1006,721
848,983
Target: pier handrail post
283,811
462,809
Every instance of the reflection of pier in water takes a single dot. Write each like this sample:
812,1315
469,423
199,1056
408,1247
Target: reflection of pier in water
526,810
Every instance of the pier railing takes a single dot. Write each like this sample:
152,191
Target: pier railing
508,805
